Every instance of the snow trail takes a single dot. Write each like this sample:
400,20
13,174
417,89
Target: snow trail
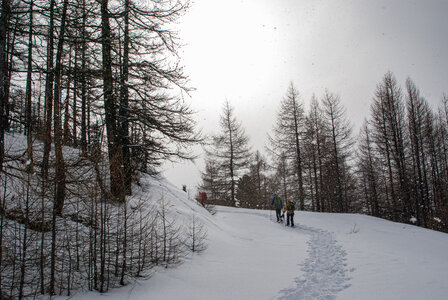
325,270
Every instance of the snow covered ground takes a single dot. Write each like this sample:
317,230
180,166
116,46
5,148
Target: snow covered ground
326,256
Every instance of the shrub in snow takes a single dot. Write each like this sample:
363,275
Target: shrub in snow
196,235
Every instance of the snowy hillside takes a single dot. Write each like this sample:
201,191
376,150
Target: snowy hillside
95,243
327,256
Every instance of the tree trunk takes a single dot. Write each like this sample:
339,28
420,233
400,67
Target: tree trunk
372,180
115,155
4,22
66,138
336,164
298,155
59,197
28,123
83,83
232,175
124,106
316,183
125,241
60,165
385,143
48,96
25,238
75,102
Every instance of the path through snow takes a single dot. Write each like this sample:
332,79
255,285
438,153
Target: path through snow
248,257
325,270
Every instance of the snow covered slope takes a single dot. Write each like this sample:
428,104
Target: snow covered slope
388,260
327,256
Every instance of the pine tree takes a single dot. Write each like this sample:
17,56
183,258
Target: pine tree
417,114
315,142
259,172
288,138
340,144
367,166
213,181
246,191
388,120
231,151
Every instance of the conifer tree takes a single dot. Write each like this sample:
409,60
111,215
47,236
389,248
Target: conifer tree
212,181
315,143
367,167
340,144
388,121
231,151
288,138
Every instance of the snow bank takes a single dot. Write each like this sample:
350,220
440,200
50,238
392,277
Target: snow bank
327,256
388,260
181,206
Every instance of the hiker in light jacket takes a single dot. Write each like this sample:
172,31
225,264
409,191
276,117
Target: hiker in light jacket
277,202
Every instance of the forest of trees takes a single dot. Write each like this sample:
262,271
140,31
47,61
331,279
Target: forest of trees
95,91
397,167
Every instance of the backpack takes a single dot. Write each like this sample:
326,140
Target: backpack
291,207
277,201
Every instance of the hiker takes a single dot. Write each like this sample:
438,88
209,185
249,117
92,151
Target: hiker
277,202
289,209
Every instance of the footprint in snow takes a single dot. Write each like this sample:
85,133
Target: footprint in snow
325,270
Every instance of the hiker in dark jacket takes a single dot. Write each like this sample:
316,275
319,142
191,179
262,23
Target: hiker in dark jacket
277,202
289,209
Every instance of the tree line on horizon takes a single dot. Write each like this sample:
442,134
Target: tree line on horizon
95,89
396,168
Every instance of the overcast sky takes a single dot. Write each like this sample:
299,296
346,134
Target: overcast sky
249,51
